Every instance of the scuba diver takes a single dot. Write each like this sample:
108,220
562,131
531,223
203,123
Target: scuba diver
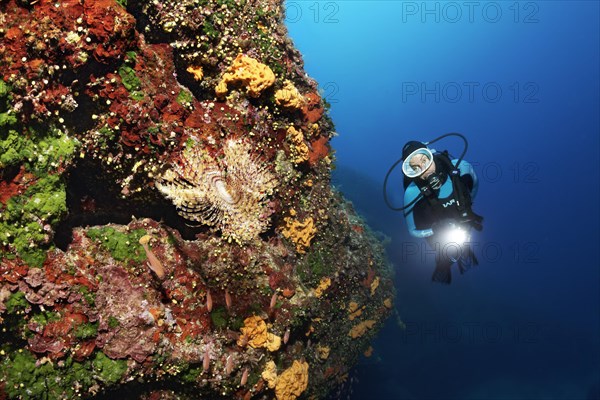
438,195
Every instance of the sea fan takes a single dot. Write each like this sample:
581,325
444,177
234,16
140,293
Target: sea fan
229,194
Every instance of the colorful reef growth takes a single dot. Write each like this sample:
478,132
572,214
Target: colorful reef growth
167,221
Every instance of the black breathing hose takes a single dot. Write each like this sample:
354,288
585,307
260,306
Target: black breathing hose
387,202
453,134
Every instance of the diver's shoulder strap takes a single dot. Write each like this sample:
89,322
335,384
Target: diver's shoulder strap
463,198
461,193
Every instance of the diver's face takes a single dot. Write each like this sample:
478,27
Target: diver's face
420,161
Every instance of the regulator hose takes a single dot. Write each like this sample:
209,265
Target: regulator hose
420,196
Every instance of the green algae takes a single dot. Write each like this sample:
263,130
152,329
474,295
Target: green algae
105,137
318,263
190,375
137,95
109,371
221,319
218,317
7,119
185,97
16,302
23,217
86,331
131,56
40,148
50,151
11,146
45,317
209,29
46,199
122,246
131,81
113,322
4,88
25,379
129,78
88,296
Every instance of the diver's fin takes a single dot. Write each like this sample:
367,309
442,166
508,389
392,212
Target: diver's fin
442,272
466,261
464,264
473,258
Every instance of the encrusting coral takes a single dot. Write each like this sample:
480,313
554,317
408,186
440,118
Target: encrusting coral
300,150
300,232
197,72
354,310
289,96
323,286
361,328
293,381
252,74
255,333
269,374
323,352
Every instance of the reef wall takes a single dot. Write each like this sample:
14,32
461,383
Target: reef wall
168,227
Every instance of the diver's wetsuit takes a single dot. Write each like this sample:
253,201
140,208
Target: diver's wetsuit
421,216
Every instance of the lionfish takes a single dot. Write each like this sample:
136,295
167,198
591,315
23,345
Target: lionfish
230,193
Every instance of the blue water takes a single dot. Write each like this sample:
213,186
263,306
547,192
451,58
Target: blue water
521,81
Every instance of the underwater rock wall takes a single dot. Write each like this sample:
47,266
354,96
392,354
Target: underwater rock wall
167,222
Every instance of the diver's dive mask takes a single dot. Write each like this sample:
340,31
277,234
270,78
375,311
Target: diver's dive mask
417,162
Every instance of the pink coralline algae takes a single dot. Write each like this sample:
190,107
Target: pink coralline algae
159,191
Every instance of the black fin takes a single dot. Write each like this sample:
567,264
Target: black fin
467,260
442,272
473,258
463,265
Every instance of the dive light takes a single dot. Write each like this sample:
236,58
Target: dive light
456,234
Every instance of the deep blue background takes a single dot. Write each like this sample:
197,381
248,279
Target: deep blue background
525,323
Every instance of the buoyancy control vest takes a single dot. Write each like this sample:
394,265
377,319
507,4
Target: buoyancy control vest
456,206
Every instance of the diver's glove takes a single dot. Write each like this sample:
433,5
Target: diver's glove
473,220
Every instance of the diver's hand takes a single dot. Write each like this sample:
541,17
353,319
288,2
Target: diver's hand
478,226
473,220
